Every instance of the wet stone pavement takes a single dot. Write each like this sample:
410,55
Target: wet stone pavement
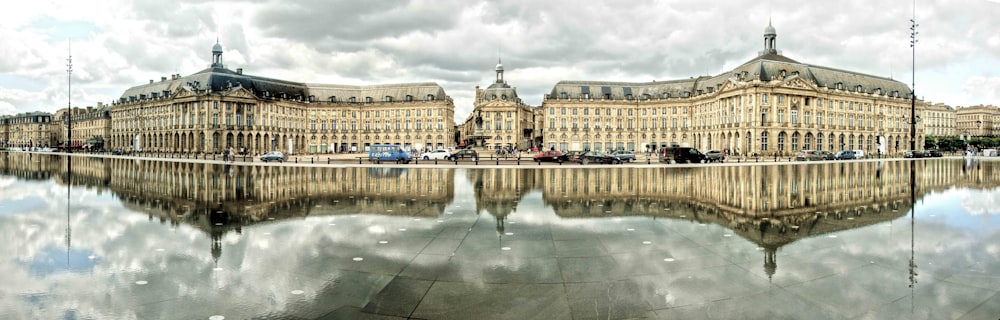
125,239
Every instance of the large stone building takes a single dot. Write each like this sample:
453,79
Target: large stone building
27,130
978,121
770,105
499,118
90,126
939,120
218,108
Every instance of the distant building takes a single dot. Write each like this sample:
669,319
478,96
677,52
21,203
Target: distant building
770,105
218,108
26,130
90,126
499,118
978,121
939,120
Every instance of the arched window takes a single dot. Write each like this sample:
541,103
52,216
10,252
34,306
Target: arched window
430,97
781,141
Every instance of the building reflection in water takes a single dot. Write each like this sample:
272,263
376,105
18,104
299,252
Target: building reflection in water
770,206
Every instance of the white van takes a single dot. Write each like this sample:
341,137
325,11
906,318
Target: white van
859,154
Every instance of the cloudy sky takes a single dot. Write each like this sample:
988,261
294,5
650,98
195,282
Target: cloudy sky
455,43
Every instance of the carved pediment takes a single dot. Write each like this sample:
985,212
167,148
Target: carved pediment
798,83
240,92
182,92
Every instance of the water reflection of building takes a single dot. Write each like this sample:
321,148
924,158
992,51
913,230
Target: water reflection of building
498,190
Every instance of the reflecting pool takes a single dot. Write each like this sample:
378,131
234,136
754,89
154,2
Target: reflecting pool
113,238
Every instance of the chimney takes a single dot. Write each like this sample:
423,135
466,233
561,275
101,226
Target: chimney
163,79
239,70
150,81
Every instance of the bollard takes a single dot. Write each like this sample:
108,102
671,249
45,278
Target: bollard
213,156
519,161
775,158
359,160
296,159
435,161
327,160
312,160
498,161
756,159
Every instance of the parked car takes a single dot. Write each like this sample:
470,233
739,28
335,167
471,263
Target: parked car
681,155
913,154
624,155
551,156
805,155
465,153
598,157
715,156
574,156
825,155
933,153
436,154
844,155
859,154
273,156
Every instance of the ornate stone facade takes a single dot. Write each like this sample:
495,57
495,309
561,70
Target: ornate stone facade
770,105
978,121
499,118
90,126
26,130
218,108
939,120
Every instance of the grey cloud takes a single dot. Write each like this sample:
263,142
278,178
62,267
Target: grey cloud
319,20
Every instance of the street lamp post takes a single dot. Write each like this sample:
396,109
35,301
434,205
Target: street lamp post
69,99
913,84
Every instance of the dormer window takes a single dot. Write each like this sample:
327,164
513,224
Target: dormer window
686,94
312,98
586,96
430,97
562,96
368,99
503,97
409,98
494,97
333,99
840,86
607,96
645,96
859,88
665,95
782,73
388,98
352,99
795,73
628,96
878,91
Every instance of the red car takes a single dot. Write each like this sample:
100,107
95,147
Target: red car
551,156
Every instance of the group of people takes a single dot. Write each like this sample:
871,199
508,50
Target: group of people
229,154
503,151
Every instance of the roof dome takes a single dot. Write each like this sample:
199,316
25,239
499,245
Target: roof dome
217,48
769,31
499,67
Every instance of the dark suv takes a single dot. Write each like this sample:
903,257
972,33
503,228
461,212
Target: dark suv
681,155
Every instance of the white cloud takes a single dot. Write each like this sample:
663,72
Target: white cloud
118,44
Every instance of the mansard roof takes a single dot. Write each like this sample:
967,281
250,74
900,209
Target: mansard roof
419,91
221,79
767,67
217,79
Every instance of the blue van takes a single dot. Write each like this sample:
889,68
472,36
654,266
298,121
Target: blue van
388,152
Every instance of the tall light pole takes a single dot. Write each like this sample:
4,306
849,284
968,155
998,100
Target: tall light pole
69,100
913,84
